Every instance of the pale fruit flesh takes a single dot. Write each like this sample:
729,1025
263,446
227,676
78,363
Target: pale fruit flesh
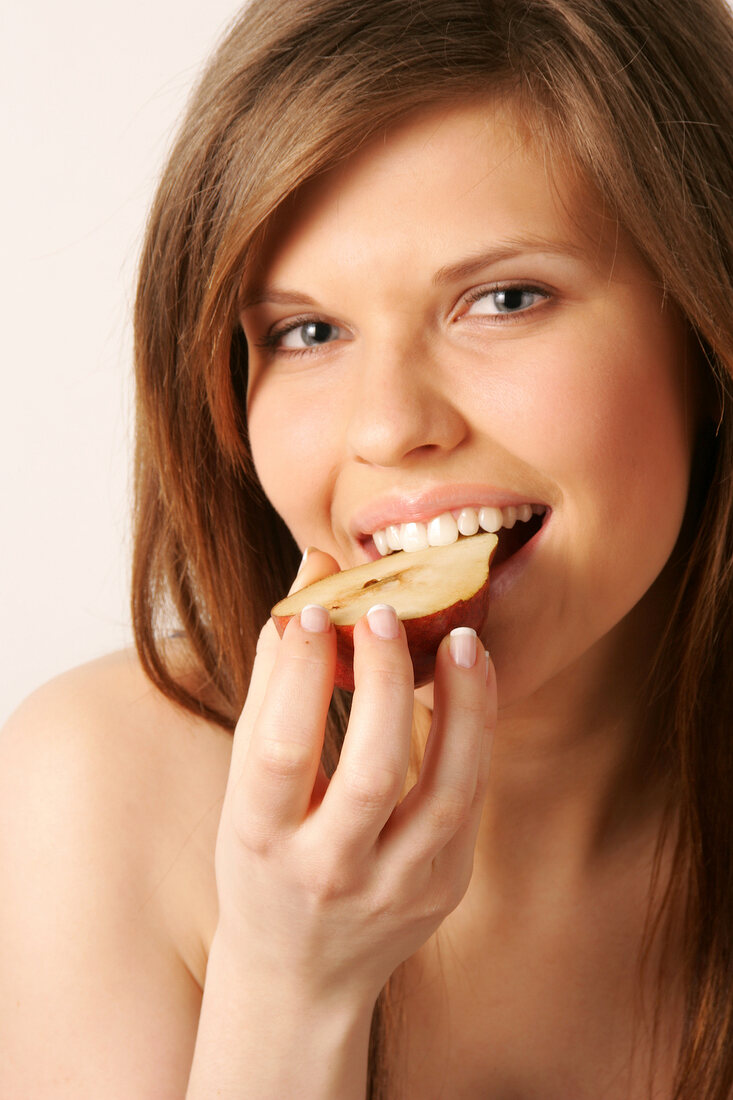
431,590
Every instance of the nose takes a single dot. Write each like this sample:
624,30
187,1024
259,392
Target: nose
403,408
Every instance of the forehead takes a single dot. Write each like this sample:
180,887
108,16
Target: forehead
436,180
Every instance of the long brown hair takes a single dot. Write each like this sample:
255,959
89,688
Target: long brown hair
639,94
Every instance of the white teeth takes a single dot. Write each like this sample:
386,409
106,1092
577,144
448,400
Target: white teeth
490,519
380,541
394,540
444,529
468,521
414,536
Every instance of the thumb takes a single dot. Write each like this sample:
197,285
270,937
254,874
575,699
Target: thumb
315,565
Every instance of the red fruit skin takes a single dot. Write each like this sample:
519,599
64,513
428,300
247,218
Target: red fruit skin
424,636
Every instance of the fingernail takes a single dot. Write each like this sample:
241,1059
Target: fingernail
486,654
303,560
382,620
463,646
315,619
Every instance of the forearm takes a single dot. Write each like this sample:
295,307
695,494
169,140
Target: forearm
264,1045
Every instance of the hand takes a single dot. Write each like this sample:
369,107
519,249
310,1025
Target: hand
326,886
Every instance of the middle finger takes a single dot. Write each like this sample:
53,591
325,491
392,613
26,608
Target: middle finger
372,769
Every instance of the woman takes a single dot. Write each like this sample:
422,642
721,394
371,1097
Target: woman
408,262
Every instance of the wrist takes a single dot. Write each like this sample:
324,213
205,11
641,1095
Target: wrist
262,1036
258,965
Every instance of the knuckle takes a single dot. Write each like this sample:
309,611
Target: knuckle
471,709
372,788
446,898
447,811
254,834
396,674
328,883
283,758
382,680
309,664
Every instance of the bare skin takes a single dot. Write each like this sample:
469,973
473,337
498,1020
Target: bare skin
549,957
151,858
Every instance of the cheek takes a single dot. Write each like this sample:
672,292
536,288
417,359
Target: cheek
611,430
607,418
643,428
618,436
289,443
268,443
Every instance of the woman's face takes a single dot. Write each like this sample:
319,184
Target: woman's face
443,324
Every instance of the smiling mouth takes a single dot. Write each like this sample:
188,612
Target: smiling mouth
513,526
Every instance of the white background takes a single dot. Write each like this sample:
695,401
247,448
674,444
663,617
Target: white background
91,94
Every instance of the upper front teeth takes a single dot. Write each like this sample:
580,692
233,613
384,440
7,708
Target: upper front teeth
444,529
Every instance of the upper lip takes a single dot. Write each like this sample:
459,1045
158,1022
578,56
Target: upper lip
423,505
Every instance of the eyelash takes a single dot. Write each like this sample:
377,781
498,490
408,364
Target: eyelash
270,340
498,288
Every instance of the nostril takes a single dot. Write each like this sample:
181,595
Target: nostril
392,425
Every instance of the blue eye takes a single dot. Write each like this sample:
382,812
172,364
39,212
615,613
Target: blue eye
306,334
505,300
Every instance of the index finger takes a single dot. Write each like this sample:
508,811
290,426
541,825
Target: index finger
315,565
284,750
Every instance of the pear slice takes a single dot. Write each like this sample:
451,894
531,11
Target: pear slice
431,590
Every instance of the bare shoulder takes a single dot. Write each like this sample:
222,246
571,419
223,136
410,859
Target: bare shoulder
110,798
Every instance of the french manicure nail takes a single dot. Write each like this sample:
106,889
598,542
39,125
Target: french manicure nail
382,621
463,646
315,619
486,654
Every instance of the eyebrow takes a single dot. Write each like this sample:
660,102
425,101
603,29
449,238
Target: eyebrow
512,248
260,295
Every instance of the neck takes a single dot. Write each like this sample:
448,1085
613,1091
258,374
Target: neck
576,781
576,776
